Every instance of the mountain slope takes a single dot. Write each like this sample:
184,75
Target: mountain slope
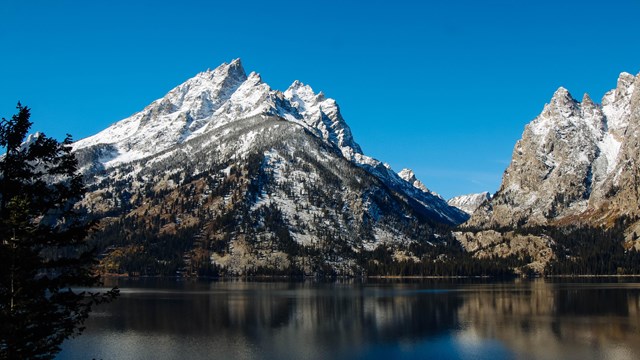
470,202
571,161
226,175
212,99
576,165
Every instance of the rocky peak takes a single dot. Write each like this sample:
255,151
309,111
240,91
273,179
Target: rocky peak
201,95
563,103
301,96
206,101
226,98
562,94
234,68
624,89
409,176
588,107
223,77
214,98
232,72
626,83
322,114
616,104
587,102
592,115
565,162
469,203
570,168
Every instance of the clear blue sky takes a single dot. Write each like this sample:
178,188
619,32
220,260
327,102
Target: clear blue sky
444,88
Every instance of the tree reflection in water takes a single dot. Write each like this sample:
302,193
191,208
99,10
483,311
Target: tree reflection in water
351,319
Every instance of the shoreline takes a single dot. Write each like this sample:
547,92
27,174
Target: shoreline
373,277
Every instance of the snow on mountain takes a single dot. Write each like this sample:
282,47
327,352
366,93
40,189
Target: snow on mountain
324,115
224,175
214,100
470,202
577,164
207,101
408,176
567,160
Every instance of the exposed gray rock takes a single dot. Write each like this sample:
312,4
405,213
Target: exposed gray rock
491,243
224,173
469,203
575,161
578,163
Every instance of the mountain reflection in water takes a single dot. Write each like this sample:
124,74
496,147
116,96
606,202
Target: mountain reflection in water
168,319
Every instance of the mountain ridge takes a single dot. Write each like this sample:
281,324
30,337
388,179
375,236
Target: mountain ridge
576,166
571,150
285,186
469,203
238,178
226,94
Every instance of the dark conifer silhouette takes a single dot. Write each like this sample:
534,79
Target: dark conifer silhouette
43,252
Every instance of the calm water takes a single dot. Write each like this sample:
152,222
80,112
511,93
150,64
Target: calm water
169,319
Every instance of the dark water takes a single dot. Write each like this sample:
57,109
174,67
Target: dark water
169,319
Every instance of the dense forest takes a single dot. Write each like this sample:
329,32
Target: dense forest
187,252
593,251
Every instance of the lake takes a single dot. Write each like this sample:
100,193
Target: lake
372,319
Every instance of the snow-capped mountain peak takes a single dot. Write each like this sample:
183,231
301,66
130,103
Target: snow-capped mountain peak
183,112
563,102
212,99
616,103
225,101
323,114
587,103
626,84
302,94
570,157
470,202
561,93
409,176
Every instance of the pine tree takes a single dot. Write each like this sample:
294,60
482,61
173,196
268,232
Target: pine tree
43,253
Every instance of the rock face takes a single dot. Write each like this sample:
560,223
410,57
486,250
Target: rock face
408,176
225,174
576,160
491,243
470,202
577,163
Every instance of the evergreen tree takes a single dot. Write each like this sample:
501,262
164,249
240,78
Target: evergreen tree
43,252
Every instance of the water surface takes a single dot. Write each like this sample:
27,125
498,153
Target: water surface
444,319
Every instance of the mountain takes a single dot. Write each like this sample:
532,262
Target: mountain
576,165
224,175
470,202
408,176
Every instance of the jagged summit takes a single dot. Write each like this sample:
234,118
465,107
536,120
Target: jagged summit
409,176
323,115
469,203
226,101
234,69
586,100
212,99
576,165
224,174
208,99
569,159
561,93
625,83
562,102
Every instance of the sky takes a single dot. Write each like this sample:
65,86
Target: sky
442,87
